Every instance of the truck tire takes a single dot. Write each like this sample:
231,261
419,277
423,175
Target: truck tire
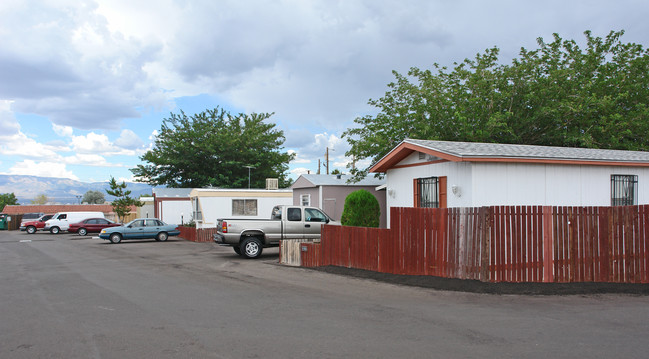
55,230
31,230
251,247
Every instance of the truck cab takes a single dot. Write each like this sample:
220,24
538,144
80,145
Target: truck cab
248,237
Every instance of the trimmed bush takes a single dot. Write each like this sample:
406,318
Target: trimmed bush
361,210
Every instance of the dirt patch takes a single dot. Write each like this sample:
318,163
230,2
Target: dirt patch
474,286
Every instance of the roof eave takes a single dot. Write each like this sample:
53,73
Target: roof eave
403,150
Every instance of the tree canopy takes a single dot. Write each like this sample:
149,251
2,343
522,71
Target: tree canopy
215,148
93,197
7,199
123,201
40,199
557,95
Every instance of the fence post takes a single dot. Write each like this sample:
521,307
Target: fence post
548,275
484,230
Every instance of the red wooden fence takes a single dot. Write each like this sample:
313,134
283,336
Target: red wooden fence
497,244
197,235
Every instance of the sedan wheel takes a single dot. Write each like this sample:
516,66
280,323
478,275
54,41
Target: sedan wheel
115,238
82,231
162,236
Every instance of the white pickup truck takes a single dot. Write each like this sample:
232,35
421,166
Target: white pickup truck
248,237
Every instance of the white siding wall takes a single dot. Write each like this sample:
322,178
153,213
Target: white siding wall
550,185
221,207
487,184
172,211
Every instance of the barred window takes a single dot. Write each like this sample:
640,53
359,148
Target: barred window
624,190
427,192
244,207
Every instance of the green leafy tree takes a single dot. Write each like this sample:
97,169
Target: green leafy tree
8,199
557,95
123,202
93,197
362,209
215,148
40,199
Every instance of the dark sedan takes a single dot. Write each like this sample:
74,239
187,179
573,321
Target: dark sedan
91,225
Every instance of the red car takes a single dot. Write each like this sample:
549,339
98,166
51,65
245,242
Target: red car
91,225
34,225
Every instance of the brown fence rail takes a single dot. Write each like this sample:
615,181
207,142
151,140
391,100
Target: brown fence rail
496,244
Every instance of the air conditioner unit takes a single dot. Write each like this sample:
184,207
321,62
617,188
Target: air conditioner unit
272,183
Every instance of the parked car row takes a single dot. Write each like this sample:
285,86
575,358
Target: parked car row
83,223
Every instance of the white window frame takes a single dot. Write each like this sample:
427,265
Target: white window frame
308,200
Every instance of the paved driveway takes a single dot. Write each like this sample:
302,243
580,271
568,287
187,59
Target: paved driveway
67,296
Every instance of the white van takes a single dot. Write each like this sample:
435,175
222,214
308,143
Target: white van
61,221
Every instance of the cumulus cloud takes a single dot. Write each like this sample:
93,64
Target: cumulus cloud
42,169
301,171
20,145
129,140
93,160
63,131
91,143
94,143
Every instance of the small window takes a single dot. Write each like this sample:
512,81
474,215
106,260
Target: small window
294,214
624,190
244,207
196,209
305,200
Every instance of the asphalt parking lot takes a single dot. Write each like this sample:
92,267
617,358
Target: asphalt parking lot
67,296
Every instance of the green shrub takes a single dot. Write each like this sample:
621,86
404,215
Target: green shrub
361,210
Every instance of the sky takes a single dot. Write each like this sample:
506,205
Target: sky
86,85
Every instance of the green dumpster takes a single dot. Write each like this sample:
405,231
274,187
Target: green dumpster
4,219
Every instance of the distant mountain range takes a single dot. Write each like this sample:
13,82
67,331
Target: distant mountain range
60,190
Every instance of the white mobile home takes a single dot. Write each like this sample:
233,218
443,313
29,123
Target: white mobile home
208,205
422,173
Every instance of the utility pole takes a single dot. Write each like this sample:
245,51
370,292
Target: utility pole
318,166
327,160
248,167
